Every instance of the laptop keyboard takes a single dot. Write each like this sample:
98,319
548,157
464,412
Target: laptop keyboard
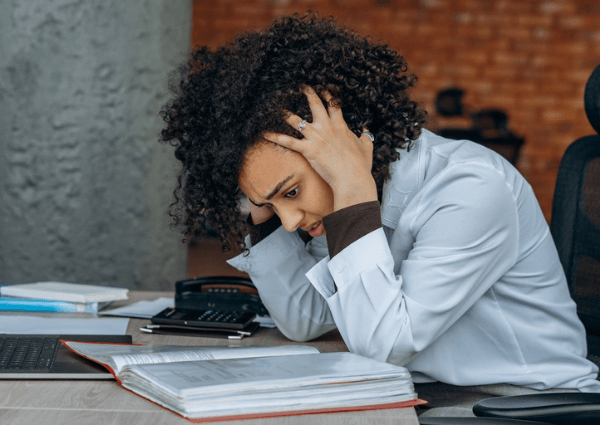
24,353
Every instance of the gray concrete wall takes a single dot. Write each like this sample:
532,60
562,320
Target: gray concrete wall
84,183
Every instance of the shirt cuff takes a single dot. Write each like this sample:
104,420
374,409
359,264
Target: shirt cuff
258,232
349,224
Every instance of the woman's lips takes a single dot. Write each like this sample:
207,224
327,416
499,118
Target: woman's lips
316,231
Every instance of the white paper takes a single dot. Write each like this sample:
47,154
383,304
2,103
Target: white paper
210,378
222,388
123,355
18,324
141,309
269,384
319,396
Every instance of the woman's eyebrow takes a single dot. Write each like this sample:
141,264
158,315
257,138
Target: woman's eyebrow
279,186
274,191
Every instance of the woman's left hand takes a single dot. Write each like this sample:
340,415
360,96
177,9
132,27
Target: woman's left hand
343,160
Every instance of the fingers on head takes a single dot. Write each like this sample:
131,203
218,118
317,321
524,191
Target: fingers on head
319,113
282,140
314,103
292,119
333,109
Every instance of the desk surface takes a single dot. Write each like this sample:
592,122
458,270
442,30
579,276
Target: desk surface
106,403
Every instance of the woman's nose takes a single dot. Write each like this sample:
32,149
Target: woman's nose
290,218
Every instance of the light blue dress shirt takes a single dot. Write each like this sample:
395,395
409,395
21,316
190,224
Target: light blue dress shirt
462,284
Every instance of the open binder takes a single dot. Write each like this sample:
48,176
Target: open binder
210,384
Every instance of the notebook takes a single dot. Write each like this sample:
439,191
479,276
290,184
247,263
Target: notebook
44,357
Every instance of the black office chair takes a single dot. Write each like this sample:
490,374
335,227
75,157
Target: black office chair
575,221
492,127
448,102
575,227
489,127
459,134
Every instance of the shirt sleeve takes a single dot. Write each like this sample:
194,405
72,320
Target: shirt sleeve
460,238
277,266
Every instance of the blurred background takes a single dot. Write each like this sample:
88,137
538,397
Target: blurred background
85,185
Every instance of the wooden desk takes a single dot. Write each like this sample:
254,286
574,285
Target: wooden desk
106,403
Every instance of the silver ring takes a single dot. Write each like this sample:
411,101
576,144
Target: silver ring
302,125
371,136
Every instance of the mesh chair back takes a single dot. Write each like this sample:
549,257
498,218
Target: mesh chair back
576,226
575,221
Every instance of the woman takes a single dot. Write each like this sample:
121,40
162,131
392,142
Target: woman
422,251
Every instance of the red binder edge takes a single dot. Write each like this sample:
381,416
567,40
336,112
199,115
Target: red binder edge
402,404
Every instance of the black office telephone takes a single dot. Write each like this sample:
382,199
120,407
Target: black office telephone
210,306
223,293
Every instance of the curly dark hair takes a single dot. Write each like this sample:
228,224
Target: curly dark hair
224,100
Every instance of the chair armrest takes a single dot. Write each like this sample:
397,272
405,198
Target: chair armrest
553,408
474,421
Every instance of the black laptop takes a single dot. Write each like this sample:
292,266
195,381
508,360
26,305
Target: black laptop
44,357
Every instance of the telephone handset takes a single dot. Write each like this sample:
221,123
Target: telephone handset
223,293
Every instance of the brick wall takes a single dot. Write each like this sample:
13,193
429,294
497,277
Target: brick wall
531,58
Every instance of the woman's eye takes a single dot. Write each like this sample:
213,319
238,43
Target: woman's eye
292,193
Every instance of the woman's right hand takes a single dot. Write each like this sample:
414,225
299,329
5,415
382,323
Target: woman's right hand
342,159
260,214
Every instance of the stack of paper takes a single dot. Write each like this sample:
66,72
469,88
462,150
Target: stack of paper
58,297
221,383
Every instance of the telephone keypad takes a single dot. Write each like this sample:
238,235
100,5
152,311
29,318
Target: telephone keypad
205,318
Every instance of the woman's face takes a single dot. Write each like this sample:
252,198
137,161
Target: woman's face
283,180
